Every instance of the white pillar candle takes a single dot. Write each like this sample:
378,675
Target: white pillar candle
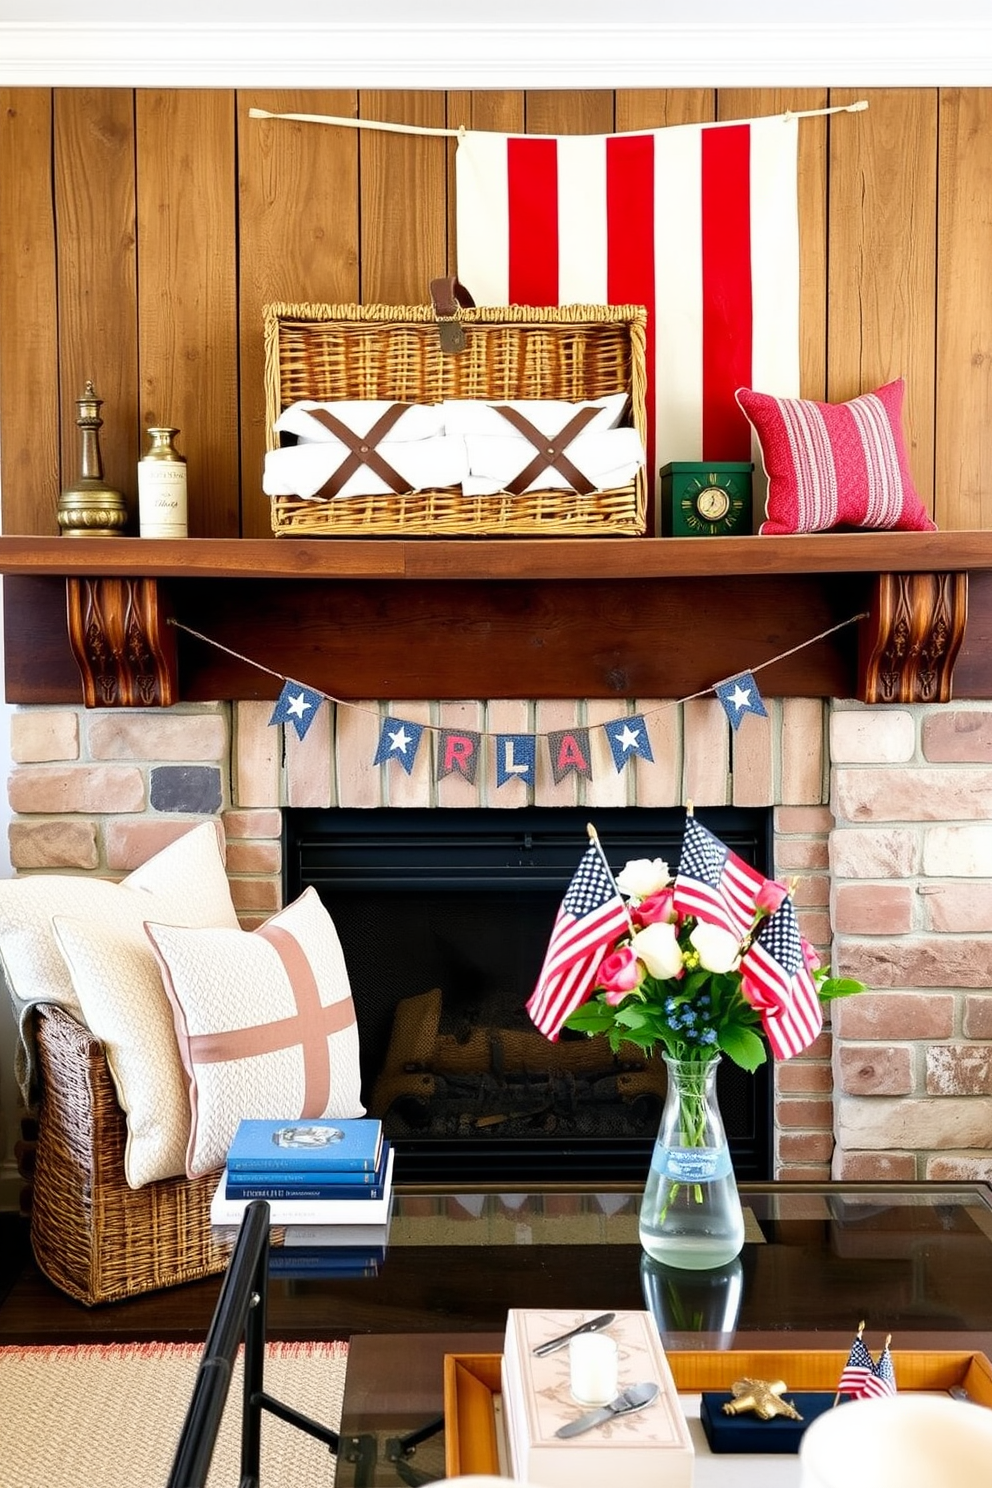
592,1365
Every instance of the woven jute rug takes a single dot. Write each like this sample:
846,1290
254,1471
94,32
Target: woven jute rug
109,1416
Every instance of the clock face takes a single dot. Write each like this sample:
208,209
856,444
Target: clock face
712,505
706,500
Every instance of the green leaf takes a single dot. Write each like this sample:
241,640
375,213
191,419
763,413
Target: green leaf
743,1046
591,1017
833,987
633,1016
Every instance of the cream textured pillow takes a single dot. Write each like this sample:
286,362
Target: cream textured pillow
265,1022
184,884
124,1004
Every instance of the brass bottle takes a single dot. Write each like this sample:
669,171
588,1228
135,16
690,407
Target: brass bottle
162,487
91,508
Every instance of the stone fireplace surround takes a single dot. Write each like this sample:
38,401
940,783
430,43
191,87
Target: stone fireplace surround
883,813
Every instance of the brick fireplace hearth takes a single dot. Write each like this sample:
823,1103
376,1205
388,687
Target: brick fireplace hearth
882,812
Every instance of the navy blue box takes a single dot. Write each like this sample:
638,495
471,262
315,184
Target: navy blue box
748,1433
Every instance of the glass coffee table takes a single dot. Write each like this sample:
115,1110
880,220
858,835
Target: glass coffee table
913,1260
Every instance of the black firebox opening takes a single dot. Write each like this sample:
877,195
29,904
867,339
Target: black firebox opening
444,917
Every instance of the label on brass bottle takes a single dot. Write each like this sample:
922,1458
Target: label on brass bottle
162,488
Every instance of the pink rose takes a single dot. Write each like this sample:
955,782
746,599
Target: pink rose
770,896
810,955
618,974
657,908
755,995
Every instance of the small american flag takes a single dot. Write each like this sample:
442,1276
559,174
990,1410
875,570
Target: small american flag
859,1371
713,883
885,1374
592,914
779,984
862,1378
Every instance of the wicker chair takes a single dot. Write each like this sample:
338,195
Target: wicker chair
93,1236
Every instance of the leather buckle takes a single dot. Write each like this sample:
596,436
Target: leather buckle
451,335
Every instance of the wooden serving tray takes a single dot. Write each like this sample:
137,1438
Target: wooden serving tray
471,1381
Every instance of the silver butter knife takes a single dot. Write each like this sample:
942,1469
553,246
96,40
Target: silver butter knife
593,1326
634,1398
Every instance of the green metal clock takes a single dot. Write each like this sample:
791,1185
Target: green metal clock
705,499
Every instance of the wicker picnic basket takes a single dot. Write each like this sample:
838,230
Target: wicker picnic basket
92,1235
570,352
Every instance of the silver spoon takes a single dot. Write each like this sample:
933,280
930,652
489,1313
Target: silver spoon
634,1398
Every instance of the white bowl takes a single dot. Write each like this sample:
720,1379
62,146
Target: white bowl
899,1441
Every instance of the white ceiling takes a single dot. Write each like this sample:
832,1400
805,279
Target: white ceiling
517,43
563,13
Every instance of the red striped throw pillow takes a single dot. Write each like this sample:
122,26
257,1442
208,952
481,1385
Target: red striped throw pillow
835,464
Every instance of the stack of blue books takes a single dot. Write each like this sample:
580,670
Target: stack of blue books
332,1178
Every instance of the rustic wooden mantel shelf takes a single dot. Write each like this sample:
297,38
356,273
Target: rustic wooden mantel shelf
605,618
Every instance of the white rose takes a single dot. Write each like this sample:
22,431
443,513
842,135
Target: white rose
718,950
642,876
658,947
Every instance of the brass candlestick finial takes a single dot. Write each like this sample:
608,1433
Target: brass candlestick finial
91,508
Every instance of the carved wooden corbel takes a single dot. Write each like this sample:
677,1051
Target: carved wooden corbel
123,645
912,636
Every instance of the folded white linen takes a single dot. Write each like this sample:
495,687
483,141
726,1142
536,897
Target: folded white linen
608,460
303,470
416,421
550,415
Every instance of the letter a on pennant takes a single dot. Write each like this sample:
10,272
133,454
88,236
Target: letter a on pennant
569,751
458,751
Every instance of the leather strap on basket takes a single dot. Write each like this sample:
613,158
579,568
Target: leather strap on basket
363,450
550,450
447,295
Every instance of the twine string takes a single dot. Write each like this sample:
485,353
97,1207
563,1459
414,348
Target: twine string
436,728
344,122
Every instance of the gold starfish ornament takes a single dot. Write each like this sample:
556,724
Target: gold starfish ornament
764,1397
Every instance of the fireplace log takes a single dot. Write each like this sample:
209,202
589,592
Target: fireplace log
441,1083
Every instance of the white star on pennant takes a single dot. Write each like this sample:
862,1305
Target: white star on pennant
298,705
399,740
740,697
627,737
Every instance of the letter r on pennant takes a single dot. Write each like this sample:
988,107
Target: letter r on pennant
458,752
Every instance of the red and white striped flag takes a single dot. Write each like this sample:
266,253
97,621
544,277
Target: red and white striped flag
591,916
777,981
862,1378
699,223
713,884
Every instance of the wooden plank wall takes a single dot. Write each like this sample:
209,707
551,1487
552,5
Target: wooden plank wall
142,232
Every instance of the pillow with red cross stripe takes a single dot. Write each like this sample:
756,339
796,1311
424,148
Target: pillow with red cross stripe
265,1024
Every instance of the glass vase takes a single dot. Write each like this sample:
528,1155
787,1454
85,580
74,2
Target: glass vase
691,1214
698,1308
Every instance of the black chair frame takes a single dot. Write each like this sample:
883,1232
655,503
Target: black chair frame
240,1314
